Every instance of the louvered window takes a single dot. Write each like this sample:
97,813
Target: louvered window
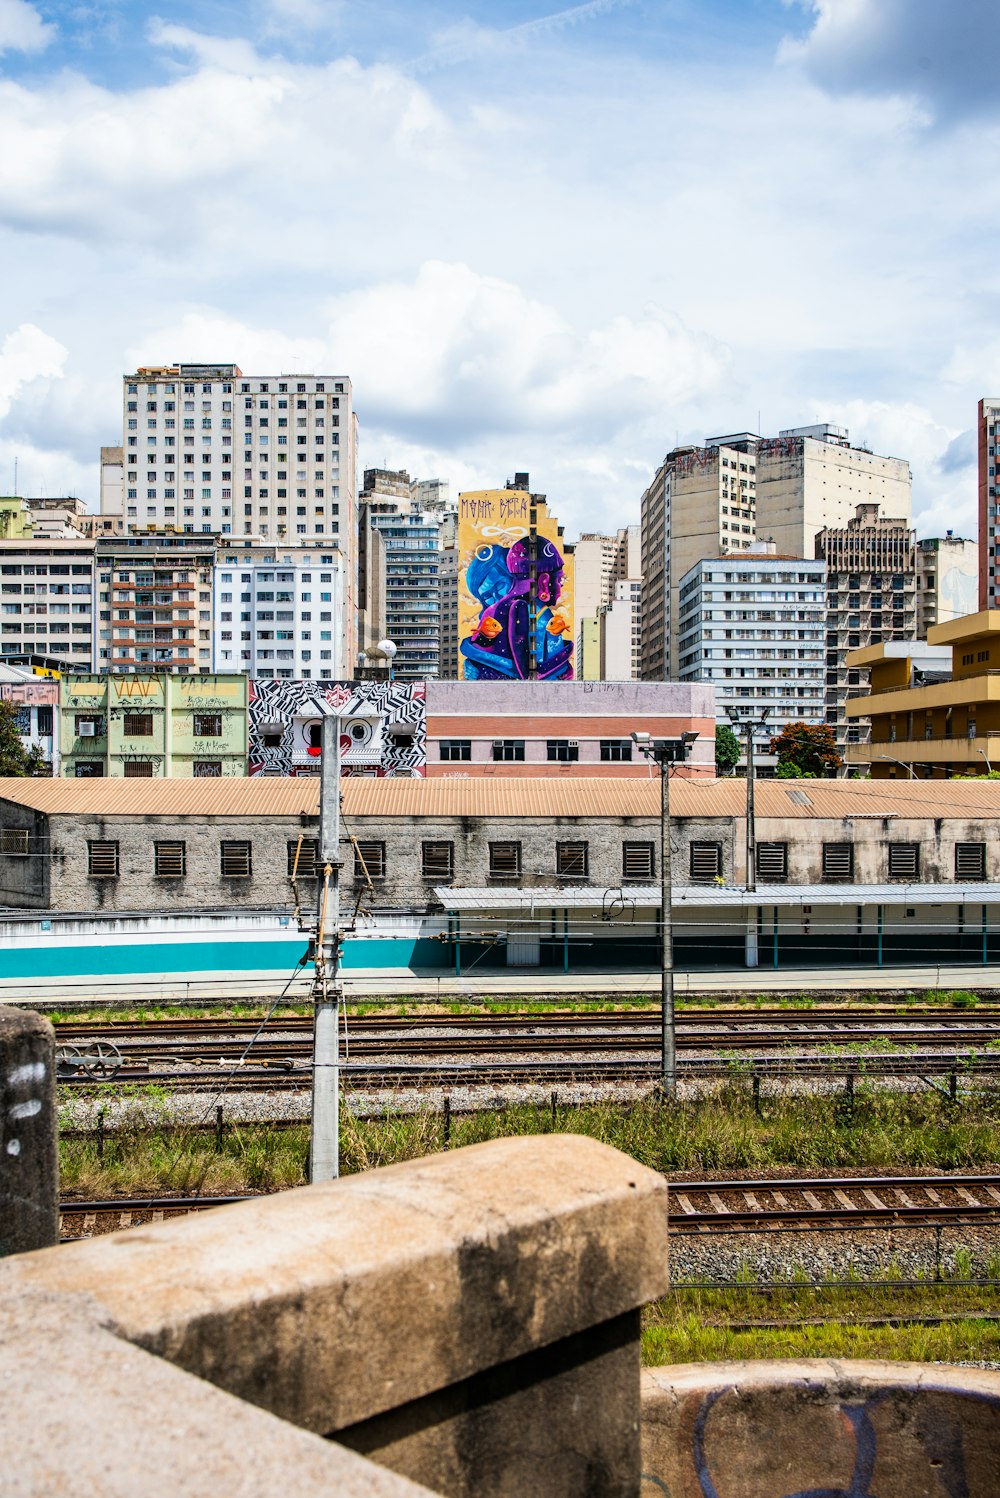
138,725
306,852
14,840
838,860
638,861
706,860
970,862
772,862
170,860
438,861
572,860
138,769
208,725
102,860
369,861
904,861
236,860
505,860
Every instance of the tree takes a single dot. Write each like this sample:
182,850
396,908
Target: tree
727,749
14,758
806,749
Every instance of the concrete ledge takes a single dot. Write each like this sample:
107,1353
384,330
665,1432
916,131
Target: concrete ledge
843,1429
471,1319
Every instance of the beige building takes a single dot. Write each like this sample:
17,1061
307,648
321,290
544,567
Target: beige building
871,596
812,478
947,580
741,488
608,591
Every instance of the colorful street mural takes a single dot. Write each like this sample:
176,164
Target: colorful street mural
383,726
514,575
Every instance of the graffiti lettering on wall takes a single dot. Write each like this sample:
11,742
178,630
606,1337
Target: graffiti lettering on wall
515,590
382,726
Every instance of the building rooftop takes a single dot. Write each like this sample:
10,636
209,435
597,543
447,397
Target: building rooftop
517,797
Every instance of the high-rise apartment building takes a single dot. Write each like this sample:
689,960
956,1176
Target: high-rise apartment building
47,605
400,549
988,447
207,449
154,603
277,611
608,572
871,580
947,580
754,625
741,488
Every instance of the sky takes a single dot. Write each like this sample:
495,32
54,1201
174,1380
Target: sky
541,239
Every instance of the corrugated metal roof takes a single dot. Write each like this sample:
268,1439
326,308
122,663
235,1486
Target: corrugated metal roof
517,798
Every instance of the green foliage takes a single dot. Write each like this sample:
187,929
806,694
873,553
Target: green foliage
727,749
810,747
14,758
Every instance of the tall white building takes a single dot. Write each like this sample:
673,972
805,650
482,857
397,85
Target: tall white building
277,611
754,626
607,587
207,449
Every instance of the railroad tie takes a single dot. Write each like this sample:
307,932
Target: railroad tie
718,1203
157,1216
992,1192
125,1219
752,1201
906,1200
89,1220
929,1191
845,1201
874,1200
782,1200
813,1201
967,1196
684,1203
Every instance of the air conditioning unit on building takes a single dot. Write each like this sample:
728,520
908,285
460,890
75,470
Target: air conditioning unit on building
87,730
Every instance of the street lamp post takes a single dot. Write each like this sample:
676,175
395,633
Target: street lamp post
744,721
664,753
901,763
987,759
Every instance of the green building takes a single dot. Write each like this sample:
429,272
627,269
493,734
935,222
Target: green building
127,725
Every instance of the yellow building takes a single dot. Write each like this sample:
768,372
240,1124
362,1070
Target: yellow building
935,712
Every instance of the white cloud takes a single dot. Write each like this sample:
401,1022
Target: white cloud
22,28
27,354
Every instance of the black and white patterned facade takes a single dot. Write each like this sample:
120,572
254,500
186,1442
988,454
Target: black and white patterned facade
383,726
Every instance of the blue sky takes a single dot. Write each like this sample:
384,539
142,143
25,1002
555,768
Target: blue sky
543,238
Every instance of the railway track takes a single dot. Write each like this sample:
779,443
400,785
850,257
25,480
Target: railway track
697,1208
826,1203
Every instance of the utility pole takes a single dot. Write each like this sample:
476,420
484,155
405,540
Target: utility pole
324,1153
664,753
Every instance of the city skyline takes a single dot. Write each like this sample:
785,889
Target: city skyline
621,228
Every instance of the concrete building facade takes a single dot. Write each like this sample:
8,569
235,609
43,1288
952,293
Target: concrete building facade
608,576
381,727
401,558
562,729
35,701
278,611
754,626
153,726
871,579
987,448
155,595
947,580
47,601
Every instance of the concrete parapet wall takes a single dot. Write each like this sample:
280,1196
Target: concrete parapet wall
817,1427
470,1320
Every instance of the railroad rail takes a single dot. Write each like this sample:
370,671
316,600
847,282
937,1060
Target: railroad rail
705,1207
697,1208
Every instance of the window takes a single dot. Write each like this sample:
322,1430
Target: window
235,860
505,860
838,860
102,860
138,769
306,852
14,840
772,861
86,726
208,725
508,749
138,725
970,862
617,750
456,749
89,769
169,860
207,769
573,860
705,860
638,861
562,751
438,861
904,860
369,861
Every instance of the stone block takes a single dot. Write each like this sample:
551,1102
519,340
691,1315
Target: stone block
29,1163
787,1429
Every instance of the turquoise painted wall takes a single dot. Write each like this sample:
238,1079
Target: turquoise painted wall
267,955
